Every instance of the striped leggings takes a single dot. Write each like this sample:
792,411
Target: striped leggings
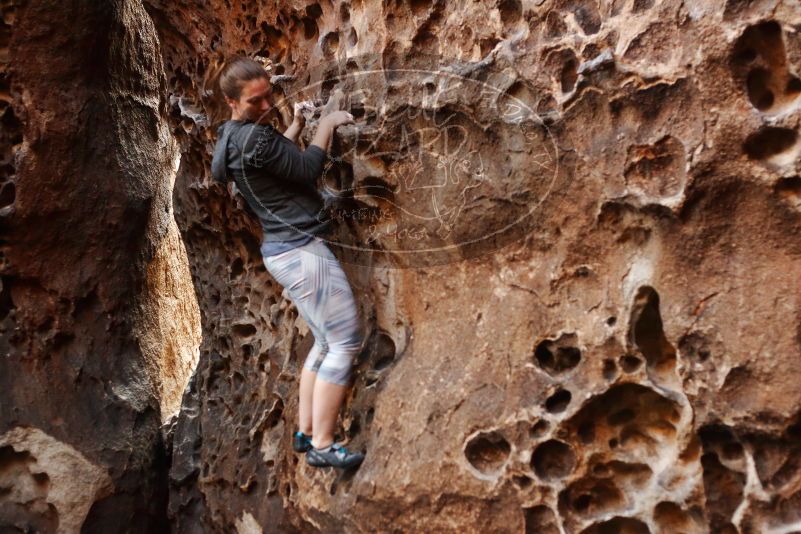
318,287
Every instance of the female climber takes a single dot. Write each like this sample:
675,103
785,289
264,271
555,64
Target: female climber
278,181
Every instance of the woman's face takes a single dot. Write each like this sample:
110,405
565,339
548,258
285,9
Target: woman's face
255,101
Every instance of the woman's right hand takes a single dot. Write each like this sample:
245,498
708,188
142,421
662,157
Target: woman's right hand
338,118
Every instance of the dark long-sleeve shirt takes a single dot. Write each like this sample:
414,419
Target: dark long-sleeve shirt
277,179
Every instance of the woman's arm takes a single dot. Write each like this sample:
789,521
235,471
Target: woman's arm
298,121
294,129
286,161
326,127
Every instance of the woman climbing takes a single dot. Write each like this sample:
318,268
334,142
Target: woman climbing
278,181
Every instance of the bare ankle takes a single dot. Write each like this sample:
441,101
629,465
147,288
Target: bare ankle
322,444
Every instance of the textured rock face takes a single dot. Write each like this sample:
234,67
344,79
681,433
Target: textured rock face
93,356
627,363
598,331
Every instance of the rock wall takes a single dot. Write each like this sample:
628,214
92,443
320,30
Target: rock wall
99,324
625,363
570,226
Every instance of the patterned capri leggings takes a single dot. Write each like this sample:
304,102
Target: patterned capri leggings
318,287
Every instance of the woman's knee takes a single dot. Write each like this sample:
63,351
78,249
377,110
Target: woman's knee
317,354
336,375
337,365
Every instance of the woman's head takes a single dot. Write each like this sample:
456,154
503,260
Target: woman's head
245,86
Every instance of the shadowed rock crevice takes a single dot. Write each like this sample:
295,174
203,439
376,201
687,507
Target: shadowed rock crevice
647,334
771,144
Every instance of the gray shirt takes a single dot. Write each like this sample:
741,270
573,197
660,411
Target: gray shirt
277,180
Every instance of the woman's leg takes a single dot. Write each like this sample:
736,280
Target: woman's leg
319,288
306,393
343,336
288,270
328,399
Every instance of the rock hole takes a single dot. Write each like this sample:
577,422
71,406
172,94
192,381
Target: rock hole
618,525
379,349
558,402
243,330
558,356
586,15
554,25
771,143
237,380
539,428
759,92
7,194
611,321
641,5
630,363
488,452
540,520
310,29
592,496
237,268
746,55
724,491
522,481
425,39
330,43
354,428
344,12
553,460
314,11
759,57
648,335
519,93
601,470
732,451
582,502
789,190
694,347
487,45
377,188
569,75
671,518
621,417
763,39
586,432
628,415
419,7
511,11
609,370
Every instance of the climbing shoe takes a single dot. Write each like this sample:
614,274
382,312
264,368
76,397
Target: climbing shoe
301,442
333,456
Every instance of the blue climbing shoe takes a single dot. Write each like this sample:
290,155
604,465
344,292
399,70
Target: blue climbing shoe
333,456
301,442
